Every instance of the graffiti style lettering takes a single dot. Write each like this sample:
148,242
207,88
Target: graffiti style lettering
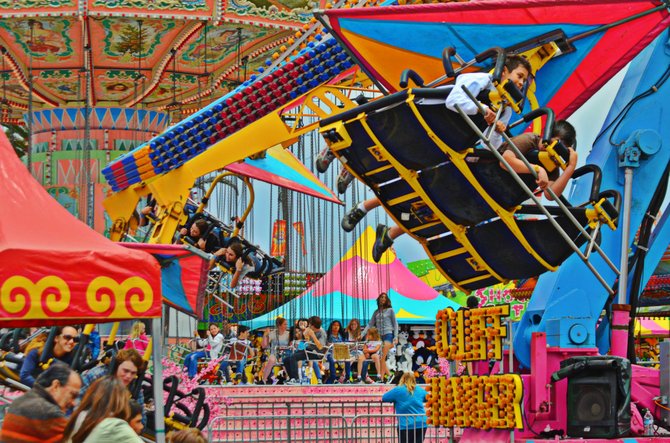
257,303
481,402
471,334
518,308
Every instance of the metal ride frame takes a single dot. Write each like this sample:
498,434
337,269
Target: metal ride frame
280,127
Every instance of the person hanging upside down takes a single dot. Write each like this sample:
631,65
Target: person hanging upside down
555,180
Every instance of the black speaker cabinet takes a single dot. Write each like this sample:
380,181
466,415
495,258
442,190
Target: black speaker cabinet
598,396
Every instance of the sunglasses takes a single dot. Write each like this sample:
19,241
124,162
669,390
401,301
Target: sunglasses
73,338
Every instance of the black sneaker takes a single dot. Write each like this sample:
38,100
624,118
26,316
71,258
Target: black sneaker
351,218
344,180
382,242
324,159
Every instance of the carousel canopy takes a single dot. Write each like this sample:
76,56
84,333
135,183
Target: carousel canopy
56,270
169,55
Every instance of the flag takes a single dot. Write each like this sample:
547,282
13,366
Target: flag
300,229
278,238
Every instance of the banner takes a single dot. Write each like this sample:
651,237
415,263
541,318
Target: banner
278,239
300,229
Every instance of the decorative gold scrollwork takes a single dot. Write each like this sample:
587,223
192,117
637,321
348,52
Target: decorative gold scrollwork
129,299
20,295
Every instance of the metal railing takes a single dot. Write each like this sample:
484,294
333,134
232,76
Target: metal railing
308,408
373,428
327,428
279,428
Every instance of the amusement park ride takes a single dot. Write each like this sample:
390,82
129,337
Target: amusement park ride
374,86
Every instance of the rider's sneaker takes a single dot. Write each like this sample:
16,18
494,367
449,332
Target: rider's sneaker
324,159
369,380
351,218
292,382
382,242
344,180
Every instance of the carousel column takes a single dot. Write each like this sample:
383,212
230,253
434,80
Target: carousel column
70,146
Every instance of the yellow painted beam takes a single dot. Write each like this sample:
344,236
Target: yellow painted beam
449,254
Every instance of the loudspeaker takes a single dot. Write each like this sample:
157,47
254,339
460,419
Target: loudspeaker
598,399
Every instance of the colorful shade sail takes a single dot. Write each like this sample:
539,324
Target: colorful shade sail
56,270
350,289
183,276
388,40
280,167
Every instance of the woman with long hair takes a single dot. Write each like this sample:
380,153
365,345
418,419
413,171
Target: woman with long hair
353,331
352,334
138,339
233,257
275,341
102,415
408,400
334,335
384,320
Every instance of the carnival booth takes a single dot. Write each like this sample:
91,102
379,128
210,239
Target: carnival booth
55,270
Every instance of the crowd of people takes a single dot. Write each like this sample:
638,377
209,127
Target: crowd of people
63,406
100,404
291,354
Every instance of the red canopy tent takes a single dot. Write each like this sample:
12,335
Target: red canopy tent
56,270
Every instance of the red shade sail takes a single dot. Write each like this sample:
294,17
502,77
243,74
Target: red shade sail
56,270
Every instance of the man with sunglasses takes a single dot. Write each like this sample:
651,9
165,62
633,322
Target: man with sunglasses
64,342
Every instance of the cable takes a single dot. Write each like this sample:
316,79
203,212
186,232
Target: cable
661,406
525,418
622,114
